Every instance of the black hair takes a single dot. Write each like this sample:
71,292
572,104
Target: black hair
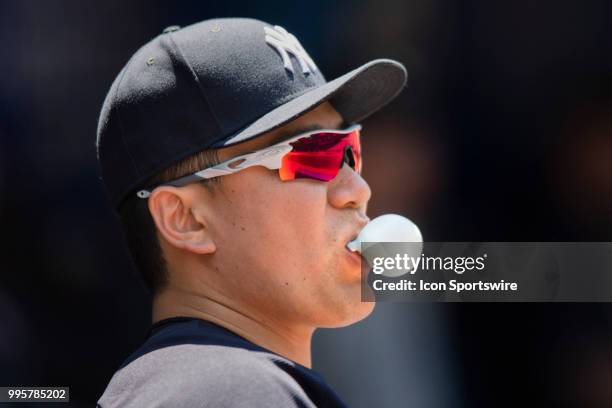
139,228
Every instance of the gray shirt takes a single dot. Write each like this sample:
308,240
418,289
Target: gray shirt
189,362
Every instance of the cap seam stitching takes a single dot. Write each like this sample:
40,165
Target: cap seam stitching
120,119
197,81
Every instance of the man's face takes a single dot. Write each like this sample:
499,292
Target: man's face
280,246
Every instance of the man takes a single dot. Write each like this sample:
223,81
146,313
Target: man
235,170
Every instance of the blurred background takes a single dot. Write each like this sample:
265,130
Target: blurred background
504,134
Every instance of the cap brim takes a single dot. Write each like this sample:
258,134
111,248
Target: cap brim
354,95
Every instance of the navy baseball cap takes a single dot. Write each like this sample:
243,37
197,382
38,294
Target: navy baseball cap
217,83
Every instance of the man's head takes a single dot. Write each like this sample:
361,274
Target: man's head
272,246
218,89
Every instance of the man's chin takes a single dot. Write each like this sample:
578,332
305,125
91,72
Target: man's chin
351,315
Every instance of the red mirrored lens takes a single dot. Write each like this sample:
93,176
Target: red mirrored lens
320,156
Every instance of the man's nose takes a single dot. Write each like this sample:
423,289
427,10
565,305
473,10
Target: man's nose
348,189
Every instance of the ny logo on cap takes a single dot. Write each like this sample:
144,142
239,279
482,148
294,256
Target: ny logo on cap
285,43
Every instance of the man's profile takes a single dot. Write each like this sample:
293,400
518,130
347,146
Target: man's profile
234,167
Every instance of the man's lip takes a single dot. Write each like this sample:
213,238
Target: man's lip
355,255
362,222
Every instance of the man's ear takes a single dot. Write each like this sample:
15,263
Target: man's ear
172,212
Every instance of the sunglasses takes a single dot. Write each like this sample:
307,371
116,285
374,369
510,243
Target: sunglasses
317,155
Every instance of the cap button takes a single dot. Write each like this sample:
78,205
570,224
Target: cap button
171,29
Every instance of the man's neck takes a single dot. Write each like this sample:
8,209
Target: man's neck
286,340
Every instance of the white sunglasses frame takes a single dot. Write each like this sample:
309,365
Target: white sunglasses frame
269,157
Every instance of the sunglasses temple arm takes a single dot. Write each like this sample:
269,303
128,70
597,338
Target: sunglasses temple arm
183,181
